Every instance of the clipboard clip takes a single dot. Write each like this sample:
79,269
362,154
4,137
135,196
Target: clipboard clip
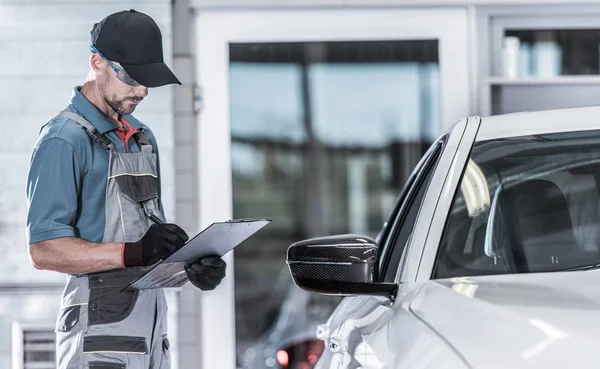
244,220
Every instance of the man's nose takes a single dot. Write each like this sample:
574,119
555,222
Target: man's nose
141,91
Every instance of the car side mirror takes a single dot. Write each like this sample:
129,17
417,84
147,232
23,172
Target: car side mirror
337,265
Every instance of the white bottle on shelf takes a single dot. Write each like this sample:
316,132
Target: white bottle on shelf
547,61
525,60
510,56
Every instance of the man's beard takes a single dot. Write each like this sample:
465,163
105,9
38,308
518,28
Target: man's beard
119,105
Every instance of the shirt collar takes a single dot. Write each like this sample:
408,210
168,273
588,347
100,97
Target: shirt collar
91,113
132,121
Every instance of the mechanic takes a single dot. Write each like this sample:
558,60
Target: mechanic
93,187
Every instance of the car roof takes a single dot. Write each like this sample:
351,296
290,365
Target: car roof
538,122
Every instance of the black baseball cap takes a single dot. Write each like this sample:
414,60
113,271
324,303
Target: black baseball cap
134,40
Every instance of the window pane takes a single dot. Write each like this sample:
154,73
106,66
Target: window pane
324,135
525,205
553,52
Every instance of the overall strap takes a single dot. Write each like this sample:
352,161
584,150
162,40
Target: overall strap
89,129
142,141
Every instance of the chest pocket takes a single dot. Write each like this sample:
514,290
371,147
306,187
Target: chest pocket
139,188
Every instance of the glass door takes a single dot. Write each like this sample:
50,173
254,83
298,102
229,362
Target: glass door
313,120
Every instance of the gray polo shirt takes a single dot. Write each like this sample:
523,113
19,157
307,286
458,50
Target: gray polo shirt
66,186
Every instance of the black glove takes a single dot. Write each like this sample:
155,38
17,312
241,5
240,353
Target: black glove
159,242
206,273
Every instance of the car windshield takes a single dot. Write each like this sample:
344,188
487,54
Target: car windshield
525,205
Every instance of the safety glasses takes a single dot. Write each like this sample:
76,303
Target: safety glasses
121,73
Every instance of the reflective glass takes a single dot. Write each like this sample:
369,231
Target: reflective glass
525,205
555,52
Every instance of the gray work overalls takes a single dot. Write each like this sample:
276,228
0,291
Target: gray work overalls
100,327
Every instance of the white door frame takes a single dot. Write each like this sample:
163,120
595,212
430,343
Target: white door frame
216,29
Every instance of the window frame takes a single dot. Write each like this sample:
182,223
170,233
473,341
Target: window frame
419,252
390,259
419,256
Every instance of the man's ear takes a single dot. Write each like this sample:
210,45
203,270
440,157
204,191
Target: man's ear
97,63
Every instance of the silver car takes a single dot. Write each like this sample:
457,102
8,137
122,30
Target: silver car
490,258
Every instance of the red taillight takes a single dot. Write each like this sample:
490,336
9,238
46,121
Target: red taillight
301,356
283,358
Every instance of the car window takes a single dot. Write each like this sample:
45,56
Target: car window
394,241
525,205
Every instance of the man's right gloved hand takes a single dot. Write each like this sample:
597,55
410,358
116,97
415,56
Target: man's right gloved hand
159,242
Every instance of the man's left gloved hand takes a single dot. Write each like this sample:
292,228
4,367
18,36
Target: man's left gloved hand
206,273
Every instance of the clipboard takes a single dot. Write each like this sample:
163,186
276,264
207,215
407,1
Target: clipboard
215,240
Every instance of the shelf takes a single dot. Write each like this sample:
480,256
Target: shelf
560,80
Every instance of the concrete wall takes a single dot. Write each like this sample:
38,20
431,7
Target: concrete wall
44,51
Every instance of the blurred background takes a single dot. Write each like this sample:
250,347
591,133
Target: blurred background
308,113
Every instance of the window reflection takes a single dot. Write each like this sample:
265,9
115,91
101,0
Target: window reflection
387,102
266,102
525,205
324,135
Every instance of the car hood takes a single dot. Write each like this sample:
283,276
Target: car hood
546,320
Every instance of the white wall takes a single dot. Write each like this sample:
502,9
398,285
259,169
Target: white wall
43,54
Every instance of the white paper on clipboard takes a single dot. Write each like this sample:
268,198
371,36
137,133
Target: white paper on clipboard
217,239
